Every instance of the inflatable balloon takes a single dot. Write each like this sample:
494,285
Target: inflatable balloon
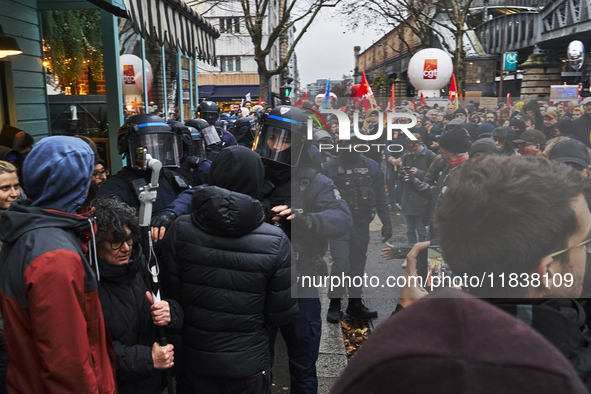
429,70
576,54
131,74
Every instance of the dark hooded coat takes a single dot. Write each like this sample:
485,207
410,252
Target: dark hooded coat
230,271
122,291
534,106
53,324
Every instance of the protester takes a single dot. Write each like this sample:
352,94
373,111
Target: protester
549,128
483,147
17,139
130,314
531,143
532,109
9,185
457,345
503,136
53,325
416,161
571,152
454,146
582,125
518,125
225,251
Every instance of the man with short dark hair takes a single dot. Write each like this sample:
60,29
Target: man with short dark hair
496,219
530,123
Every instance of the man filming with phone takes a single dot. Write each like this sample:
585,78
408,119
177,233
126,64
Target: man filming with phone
520,218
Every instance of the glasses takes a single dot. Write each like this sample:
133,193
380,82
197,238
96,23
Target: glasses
116,245
586,243
98,174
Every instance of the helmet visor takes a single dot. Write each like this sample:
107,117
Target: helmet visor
196,148
161,146
210,117
211,136
275,144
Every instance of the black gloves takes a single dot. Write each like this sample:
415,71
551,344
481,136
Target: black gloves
386,231
301,223
408,177
163,219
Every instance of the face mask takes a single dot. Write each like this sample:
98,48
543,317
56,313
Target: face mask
528,152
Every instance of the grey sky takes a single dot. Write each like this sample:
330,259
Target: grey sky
325,52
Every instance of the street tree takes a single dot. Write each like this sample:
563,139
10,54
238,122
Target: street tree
420,17
265,36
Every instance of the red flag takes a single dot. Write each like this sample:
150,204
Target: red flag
422,102
392,101
414,105
508,103
365,92
452,99
305,95
260,101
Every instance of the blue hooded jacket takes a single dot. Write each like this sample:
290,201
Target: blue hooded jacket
57,172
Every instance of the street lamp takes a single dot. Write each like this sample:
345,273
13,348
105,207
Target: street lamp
8,45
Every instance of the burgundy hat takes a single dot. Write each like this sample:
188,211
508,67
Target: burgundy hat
458,345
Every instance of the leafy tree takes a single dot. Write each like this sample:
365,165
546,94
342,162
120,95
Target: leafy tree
73,37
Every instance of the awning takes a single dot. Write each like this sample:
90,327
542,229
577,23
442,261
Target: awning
228,92
174,22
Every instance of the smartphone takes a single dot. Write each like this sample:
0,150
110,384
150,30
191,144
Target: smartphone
430,261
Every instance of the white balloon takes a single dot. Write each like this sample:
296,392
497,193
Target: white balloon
131,74
319,99
429,70
576,54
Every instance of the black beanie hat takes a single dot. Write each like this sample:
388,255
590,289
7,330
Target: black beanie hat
455,141
460,110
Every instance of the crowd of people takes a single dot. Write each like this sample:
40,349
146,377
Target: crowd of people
247,206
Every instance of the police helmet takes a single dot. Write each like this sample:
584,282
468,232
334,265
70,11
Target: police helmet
283,136
208,132
209,111
195,151
153,134
243,126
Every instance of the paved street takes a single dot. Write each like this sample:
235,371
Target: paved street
332,359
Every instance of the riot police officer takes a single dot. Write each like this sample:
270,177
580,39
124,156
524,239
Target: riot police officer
245,131
308,207
195,160
162,143
361,184
210,112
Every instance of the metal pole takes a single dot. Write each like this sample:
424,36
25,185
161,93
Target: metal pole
164,82
196,88
144,77
503,48
191,89
114,93
180,83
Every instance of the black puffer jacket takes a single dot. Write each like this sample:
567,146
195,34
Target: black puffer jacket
231,273
122,291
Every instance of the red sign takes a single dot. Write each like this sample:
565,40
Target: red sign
430,69
128,74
